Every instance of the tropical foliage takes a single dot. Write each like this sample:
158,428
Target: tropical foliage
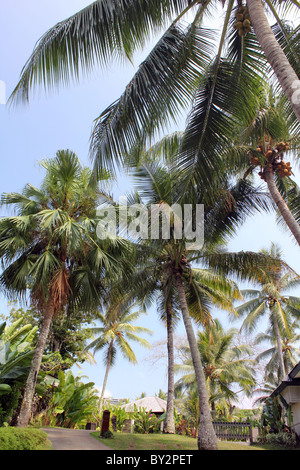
51,250
115,334
172,72
273,301
228,368
73,402
16,350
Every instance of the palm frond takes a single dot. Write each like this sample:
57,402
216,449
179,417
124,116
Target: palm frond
103,31
163,84
250,322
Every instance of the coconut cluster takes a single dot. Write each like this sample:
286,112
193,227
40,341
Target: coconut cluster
273,155
243,21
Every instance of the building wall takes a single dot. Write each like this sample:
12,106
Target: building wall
296,417
295,411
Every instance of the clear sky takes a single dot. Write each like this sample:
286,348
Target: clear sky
63,120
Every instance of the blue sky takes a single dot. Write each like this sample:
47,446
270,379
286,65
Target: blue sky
63,120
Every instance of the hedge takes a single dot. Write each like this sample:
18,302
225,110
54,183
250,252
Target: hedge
12,438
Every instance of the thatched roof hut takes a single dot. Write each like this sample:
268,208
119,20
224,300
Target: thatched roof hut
154,404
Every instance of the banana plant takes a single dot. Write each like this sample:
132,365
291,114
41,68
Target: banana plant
73,402
16,352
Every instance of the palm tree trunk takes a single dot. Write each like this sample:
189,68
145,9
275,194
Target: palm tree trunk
25,411
283,70
280,203
105,377
169,424
279,350
207,439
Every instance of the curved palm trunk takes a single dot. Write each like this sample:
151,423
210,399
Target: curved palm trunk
105,377
169,424
283,70
25,411
280,203
207,439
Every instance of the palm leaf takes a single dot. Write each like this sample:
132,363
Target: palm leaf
163,84
99,33
253,317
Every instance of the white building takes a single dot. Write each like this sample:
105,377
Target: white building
289,389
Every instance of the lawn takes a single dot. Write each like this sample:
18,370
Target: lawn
122,441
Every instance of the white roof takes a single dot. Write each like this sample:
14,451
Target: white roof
155,404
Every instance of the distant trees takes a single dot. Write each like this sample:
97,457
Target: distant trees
116,332
272,301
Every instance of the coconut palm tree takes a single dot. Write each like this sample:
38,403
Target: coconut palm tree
203,290
272,301
167,79
225,364
290,351
167,265
115,333
50,252
268,139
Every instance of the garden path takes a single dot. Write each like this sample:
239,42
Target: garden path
73,439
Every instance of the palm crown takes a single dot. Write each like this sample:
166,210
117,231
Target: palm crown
225,364
271,300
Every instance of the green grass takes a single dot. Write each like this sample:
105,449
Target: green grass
122,441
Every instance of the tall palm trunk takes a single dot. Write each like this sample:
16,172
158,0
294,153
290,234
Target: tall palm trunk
109,356
25,411
279,350
280,203
169,424
283,70
207,439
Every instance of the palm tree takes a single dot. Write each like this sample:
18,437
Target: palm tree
225,364
203,289
168,78
50,251
272,301
290,351
269,138
115,333
167,264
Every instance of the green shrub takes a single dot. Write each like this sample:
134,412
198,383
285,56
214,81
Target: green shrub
183,428
145,422
9,403
285,439
23,439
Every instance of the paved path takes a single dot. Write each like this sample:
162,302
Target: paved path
73,439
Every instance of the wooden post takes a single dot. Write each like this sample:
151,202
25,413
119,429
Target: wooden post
105,422
250,434
114,423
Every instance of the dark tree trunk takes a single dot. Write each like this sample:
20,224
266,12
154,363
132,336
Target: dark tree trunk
25,411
